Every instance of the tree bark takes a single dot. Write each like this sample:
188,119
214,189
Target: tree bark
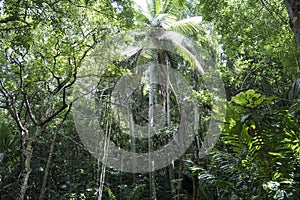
293,9
26,155
25,172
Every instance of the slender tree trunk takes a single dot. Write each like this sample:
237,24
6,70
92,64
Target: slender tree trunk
293,9
164,61
196,188
196,117
196,126
150,134
103,166
25,172
47,169
171,178
197,137
171,166
102,178
180,176
198,144
133,143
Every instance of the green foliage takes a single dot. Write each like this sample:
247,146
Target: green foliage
135,192
6,138
262,163
258,45
43,44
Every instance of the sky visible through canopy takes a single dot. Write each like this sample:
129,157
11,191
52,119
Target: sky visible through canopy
142,3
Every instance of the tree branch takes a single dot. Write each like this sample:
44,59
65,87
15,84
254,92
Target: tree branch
9,19
31,116
49,118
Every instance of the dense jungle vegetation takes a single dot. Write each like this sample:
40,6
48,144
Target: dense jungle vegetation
251,45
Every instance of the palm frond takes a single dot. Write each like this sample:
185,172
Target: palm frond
166,6
142,15
141,18
180,3
191,58
158,6
151,7
176,7
164,20
188,50
187,26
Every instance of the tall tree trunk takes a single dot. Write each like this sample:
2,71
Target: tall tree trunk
196,134
168,115
293,8
163,59
150,134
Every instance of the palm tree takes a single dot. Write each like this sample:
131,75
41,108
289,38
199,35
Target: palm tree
163,14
